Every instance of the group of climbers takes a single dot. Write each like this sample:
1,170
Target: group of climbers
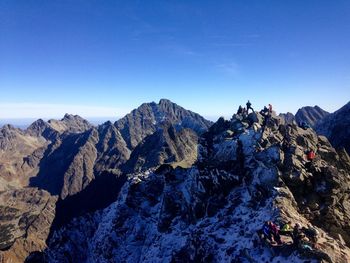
266,111
272,232
304,239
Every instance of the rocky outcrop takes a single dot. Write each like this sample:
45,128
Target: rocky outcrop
310,115
145,120
336,128
249,170
25,221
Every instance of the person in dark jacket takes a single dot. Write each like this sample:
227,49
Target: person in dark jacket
266,230
240,110
249,106
297,234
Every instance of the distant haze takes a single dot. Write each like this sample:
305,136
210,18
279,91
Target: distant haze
23,123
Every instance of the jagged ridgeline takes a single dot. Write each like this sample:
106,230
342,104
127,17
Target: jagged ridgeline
163,184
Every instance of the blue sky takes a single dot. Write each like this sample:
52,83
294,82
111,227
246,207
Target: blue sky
104,58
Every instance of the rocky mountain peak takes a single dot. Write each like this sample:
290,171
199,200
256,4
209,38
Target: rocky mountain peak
144,120
72,117
70,123
335,127
310,115
42,128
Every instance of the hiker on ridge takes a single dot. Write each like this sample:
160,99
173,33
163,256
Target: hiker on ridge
310,155
287,229
240,110
249,106
264,111
270,109
275,232
297,234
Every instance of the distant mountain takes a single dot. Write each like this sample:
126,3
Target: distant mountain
67,166
310,115
42,128
287,117
20,154
70,123
336,127
144,121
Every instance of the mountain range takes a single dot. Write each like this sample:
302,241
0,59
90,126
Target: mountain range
163,184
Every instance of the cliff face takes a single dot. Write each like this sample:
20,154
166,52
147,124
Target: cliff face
336,127
310,115
248,171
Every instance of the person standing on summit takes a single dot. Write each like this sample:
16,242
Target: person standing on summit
270,109
249,106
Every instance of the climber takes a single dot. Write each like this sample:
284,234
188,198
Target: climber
306,249
312,233
244,112
240,110
286,229
264,111
249,106
266,231
304,244
270,109
310,155
297,235
275,232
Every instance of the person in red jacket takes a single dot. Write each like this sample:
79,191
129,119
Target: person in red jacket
311,155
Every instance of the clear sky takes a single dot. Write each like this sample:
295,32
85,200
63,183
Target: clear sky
104,58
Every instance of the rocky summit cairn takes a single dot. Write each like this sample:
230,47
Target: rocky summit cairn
249,170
